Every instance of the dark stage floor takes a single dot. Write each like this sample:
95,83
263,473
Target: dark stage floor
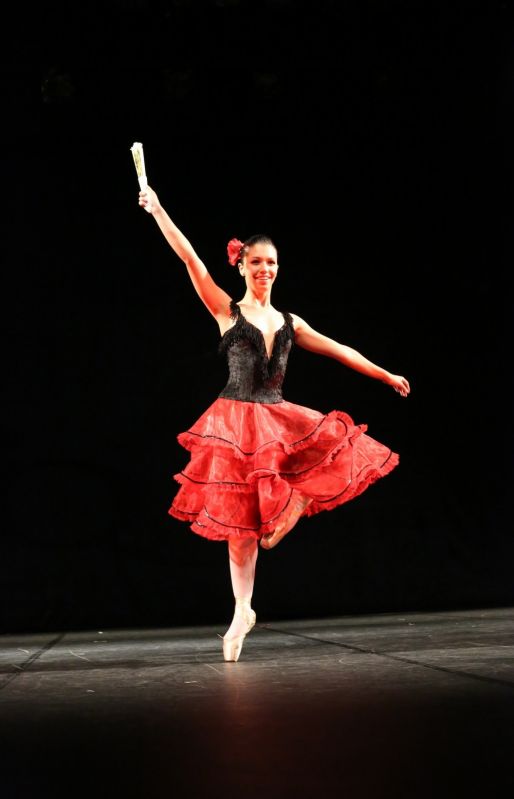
392,705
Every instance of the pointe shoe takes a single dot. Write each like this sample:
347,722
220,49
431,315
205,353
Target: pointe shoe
298,506
232,646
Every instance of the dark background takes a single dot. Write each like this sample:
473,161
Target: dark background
372,141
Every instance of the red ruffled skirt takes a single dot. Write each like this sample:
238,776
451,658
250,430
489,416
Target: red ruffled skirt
247,457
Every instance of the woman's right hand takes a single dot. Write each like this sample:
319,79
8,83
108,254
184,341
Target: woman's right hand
148,200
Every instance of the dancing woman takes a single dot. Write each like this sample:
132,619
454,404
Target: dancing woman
258,462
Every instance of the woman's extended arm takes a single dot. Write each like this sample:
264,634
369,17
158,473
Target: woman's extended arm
216,300
310,339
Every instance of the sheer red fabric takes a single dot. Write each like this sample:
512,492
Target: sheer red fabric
246,458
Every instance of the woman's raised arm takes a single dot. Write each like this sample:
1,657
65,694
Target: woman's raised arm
214,298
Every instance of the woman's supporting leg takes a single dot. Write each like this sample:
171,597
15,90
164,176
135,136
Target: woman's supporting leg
242,559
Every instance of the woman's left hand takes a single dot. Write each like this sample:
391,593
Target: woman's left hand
400,385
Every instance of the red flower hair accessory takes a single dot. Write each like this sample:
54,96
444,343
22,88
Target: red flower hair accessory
234,248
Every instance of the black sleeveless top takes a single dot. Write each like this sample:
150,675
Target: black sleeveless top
253,377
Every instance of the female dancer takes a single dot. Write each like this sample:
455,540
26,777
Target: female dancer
257,462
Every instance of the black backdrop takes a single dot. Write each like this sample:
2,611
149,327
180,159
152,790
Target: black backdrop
372,141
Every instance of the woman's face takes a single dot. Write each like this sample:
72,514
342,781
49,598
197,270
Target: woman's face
259,267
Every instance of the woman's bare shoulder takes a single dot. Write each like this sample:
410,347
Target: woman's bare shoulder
298,322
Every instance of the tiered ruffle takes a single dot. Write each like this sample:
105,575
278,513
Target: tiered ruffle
247,457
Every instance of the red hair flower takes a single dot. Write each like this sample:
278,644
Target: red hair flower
234,248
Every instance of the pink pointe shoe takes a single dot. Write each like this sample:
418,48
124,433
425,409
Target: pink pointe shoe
298,504
232,646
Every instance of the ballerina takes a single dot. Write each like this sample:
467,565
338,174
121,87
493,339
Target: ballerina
259,463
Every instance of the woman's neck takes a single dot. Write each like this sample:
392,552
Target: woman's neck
257,300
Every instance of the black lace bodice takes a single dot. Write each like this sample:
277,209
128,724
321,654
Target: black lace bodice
253,377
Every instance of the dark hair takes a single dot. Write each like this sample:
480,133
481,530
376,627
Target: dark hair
258,238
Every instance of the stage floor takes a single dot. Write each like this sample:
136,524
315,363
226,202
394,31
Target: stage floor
411,705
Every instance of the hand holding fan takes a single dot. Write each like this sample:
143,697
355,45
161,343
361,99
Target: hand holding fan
139,161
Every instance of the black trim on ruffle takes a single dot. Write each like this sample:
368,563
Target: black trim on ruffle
213,482
353,480
272,441
231,526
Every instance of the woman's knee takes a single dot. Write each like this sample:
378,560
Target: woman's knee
241,549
